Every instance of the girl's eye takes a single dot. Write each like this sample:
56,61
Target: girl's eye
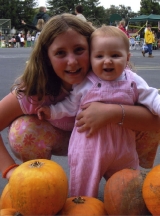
79,50
60,53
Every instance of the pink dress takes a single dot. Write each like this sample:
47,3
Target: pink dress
111,149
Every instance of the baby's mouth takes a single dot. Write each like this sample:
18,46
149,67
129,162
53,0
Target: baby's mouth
108,69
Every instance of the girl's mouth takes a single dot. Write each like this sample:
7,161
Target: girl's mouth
73,72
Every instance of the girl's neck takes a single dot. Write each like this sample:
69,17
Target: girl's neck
67,87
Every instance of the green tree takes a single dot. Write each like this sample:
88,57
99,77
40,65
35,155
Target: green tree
122,11
150,6
60,6
16,10
93,13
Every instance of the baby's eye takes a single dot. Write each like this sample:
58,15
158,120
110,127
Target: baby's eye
115,56
99,56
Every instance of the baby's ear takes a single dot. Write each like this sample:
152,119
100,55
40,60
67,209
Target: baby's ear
128,56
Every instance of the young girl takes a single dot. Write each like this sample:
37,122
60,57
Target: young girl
113,147
121,26
59,60
38,27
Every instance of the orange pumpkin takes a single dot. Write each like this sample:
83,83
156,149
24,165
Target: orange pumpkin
83,206
9,212
5,200
38,187
123,193
151,190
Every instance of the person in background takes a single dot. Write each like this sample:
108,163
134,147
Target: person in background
158,33
22,41
32,40
138,38
13,41
149,40
17,41
121,26
112,148
79,11
38,27
41,15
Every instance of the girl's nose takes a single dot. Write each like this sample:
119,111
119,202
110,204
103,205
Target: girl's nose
72,59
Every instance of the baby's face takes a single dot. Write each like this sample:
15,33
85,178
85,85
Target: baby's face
109,57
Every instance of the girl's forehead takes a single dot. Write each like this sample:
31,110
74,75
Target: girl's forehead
69,35
69,39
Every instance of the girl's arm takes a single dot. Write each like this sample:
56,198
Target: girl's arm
9,110
97,115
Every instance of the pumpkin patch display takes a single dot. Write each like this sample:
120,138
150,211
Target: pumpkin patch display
83,206
123,193
5,200
9,212
38,187
151,190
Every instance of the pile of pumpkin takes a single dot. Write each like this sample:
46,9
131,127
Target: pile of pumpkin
40,187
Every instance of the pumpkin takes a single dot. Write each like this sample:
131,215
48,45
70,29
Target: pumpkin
83,206
151,190
9,212
5,200
38,187
123,193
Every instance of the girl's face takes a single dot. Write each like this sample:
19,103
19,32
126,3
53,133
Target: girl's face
69,56
109,57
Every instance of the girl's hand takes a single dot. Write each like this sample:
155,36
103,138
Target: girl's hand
9,173
96,115
22,21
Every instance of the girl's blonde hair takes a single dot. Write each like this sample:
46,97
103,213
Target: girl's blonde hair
40,24
39,77
122,22
112,31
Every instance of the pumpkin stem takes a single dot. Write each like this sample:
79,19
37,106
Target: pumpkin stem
78,200
18,214
36,164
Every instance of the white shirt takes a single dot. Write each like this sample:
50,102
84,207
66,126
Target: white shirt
147,96
80,16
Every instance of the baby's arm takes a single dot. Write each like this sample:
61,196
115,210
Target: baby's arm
70,105
147,96
44,113
66,108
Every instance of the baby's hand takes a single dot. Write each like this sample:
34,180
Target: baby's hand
43,113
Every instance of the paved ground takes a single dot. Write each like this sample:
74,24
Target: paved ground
12,63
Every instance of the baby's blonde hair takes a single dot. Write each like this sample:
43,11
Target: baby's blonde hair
112,31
